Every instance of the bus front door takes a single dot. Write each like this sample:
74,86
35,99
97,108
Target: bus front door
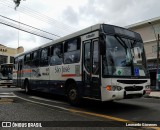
91,69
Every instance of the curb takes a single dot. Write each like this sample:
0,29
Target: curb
154,97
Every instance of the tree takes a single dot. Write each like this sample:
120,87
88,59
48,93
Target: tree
17,3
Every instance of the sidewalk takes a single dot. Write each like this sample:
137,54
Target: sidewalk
153,94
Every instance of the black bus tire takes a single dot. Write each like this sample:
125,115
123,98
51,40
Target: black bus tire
73,95
8,86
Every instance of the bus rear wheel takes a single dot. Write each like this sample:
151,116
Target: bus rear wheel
73,95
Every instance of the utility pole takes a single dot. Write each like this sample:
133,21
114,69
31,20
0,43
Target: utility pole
158,76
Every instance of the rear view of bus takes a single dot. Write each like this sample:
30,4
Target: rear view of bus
6,74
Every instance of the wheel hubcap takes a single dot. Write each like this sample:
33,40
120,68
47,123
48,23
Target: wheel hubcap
72,94
26,88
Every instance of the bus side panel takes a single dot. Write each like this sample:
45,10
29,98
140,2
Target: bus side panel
14,77
61,73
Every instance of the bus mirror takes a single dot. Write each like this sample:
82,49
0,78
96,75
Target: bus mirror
102,44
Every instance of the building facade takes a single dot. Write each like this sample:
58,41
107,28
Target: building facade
7,54
149,31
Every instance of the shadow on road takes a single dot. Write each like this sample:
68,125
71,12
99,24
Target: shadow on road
112,108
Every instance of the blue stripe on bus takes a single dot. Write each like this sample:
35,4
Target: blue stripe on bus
51,86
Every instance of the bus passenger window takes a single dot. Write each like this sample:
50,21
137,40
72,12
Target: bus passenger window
44,54
56,55
95,58
72,52
27,59
87,57
44,57
35,60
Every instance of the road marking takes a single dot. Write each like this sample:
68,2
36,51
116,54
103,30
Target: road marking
110,117
88,113
54,106
5,95
43,99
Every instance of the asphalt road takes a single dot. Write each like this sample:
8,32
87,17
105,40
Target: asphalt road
55,112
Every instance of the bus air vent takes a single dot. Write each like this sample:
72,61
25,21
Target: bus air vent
132,81
133,88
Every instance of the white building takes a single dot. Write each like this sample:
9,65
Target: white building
7,54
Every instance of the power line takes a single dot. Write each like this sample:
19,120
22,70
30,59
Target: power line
28,26
66,30
40,16
22,29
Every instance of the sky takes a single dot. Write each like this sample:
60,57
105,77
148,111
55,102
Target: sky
63,17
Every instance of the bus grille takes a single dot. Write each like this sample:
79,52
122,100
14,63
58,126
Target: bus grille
132,81
133,88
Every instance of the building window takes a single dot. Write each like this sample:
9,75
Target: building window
11,59
3,59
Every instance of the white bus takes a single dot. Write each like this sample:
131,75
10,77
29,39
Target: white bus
102,62
6,74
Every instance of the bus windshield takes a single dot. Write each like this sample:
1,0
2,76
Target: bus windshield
124,57
6,69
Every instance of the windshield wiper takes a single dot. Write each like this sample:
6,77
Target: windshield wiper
133,43
120,40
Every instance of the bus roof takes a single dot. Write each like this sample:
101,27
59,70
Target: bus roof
75,34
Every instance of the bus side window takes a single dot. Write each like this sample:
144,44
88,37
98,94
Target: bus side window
35,61
72,51
27,60
95,69
16,63
56,54
44,57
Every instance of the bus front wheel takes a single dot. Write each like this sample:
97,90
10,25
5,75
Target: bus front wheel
73,95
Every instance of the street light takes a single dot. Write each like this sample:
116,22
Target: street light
157,40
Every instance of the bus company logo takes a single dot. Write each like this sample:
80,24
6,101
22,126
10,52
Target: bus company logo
57,69
6,124
90,35
134,86
36,72
66,69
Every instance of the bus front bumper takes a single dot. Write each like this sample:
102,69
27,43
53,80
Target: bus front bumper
117,95
6,82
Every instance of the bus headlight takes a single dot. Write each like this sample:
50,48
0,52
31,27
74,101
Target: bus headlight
113,88
119,88
147,87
